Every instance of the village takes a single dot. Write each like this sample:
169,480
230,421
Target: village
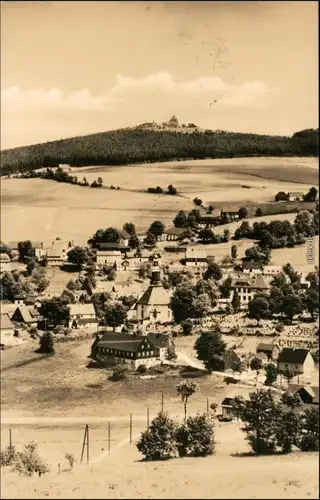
139,296
159,250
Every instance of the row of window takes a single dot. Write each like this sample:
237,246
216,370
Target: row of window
105,350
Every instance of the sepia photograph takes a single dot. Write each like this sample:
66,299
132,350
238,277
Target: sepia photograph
159,250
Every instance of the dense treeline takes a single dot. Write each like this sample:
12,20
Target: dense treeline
60,175
126,146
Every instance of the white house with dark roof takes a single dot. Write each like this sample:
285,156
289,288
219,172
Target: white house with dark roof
154,304
110,258
5,263
247,287
172,234
82,316
7,330
26,314
296,361
295,196
196,257
135,350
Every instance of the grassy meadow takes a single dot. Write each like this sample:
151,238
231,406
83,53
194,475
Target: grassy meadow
42,210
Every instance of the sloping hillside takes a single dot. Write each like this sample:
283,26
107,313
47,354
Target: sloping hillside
134,145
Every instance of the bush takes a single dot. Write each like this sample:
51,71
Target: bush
196,437
171,353
279,328
7,456
71,459
142,369
29,461
119,373
308,443
159,441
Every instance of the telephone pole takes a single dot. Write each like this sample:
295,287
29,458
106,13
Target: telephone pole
85,443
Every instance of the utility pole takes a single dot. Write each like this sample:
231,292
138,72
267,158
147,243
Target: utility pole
10,439
148,417
130,428
109,434
85,443
207,406
162,400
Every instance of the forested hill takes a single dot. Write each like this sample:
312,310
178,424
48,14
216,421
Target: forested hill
133,145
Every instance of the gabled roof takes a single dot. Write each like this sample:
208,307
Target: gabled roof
195,253
293,356
28,314
268,348
110,246
81,309
121,341
296,193
124,234
256,282
158,339
5,322
4,257
54,253
155,295
310,389
108,253
174,230
251,264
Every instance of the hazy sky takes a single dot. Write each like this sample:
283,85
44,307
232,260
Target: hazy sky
70,68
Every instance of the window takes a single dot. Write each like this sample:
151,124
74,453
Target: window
151,352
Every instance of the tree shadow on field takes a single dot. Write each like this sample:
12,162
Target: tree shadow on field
246,454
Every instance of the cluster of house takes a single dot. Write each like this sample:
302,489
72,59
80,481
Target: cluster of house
299,362
55,254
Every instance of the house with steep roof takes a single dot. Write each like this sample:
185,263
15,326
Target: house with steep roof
251,267
297,361
55,257
270,350
154,304
135,350
5,262
82,316
226,404
7,330
162,341
27,315
231,359
309,394
196,257
247,286
110,258
211,220
172,233
295,196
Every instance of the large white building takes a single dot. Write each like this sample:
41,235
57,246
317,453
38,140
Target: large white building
196,257
109,258
247,287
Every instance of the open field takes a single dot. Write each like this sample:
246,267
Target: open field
62,386
59,395
42,210
227,474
